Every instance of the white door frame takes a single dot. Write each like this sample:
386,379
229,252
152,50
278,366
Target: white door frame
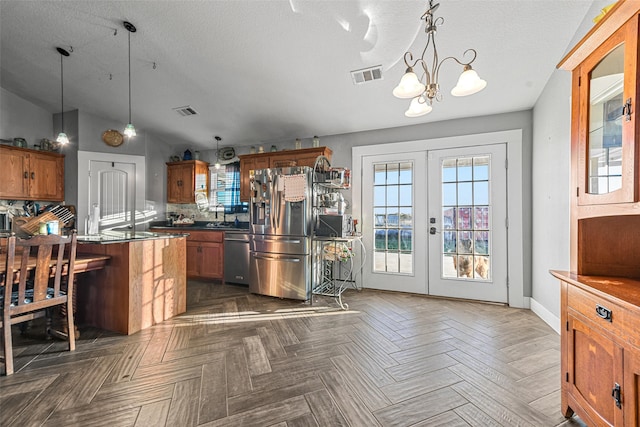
513,139
84,163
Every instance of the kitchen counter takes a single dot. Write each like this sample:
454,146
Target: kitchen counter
200,225
111,236
144,283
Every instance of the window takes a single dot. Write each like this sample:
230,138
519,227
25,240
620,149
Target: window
225,189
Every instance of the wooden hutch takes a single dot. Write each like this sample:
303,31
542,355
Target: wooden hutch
600,296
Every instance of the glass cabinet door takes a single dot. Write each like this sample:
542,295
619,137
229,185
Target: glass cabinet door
604,139
608,138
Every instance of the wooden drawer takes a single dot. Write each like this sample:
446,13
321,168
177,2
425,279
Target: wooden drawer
621,322
205,236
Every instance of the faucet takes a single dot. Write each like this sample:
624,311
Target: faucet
224,214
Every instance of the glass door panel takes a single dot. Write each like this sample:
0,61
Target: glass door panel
606,86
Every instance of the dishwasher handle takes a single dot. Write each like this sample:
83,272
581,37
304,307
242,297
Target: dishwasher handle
273,258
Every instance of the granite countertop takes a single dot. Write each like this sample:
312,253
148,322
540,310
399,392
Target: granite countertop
126,236
201,225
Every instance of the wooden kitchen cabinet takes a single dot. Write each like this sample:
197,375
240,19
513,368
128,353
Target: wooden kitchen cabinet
31,175
600,295
247,164
181,180
302,157
205,252
600,348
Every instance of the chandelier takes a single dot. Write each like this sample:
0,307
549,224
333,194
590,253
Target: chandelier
426,89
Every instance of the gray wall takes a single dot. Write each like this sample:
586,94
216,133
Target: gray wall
551,175
20,118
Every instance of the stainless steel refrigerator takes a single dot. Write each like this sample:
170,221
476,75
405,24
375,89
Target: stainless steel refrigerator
281,228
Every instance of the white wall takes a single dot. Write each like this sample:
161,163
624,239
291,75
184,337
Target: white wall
20,118
551,192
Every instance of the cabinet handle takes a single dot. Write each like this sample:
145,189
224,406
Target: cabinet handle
616,395
626,109
33,175
26,175
603,312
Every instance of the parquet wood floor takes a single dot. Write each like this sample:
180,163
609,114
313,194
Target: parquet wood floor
238,359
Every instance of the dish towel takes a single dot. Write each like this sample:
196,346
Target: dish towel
295,187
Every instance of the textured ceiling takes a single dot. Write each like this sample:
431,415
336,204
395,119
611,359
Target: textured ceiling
266,71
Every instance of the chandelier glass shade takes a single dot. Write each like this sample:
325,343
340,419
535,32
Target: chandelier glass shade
129,129
423,90
62,137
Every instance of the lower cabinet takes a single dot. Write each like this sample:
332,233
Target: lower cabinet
205,259
600,346
205,252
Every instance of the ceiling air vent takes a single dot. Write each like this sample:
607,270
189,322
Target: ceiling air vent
366,74
187,110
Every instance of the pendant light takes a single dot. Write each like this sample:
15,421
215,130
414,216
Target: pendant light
218,139
62,137
129,129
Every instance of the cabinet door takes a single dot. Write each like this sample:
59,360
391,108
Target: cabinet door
193,258
46,177
246,166
595,366
14,174
631,389
212,261
179,182
309,159
608,89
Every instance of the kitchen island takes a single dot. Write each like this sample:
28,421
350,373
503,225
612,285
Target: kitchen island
144,283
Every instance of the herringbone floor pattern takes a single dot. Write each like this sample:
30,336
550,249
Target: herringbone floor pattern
237,359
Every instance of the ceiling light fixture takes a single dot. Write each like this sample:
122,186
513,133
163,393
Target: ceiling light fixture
425,90
129,129
218,139
62,137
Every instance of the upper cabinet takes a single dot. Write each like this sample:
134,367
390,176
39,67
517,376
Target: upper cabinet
31,175
605,146
184,178
608,140
606,132
250,162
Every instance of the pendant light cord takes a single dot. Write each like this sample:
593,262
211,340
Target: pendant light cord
62,92
129,36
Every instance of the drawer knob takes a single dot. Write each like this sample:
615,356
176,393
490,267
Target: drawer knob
603,312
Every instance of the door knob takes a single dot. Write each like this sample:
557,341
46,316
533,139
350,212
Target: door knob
432,230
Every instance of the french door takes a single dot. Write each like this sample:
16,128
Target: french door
434,222
393,221
468,223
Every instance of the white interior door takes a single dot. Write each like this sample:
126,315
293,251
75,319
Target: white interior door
394,206
112,194
468,223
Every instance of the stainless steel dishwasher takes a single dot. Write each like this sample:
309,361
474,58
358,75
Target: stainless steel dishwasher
236,256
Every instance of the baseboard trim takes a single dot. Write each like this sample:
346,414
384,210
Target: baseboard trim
548,317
